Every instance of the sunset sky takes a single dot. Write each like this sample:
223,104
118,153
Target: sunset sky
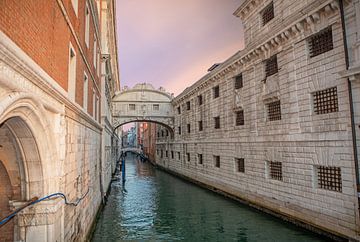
172,43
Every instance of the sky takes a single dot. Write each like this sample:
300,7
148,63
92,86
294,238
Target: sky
172,43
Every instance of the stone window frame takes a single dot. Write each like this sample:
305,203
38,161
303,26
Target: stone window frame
200,99
179,155
179,130
188,157
72,69
239,165
328,178
132,107
188,106
271,117
172,154
216,91
217,162
321,97
239,121
271,66
274,170
267,13
85,92
156,107
166,153
238,81
322,47
179,109
217,124
188,128
200,159
200,125
87,25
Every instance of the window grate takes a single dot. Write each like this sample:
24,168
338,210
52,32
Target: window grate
188,105
271,66
274,111
240,164
200,126
329,178
240,118
217,160
217,122
268,13
200,100
326,101
216,91
321,42
238,81
276,170
200,159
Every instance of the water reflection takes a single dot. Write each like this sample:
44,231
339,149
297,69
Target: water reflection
160,207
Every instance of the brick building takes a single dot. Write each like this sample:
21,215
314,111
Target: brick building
58,72
277,124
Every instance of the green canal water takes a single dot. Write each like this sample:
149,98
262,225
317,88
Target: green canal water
156,206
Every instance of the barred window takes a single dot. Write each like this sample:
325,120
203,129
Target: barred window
217,122
200,126
188,156
239,118
216,91
217,161
271,66
275,169
321,42
268,13
274,111
240,164
329,178
172,154
131,106
200,159
188,128
188,105
238,81
156,107
179,110
326,101
200,100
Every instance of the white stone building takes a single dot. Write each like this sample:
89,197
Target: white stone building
272,125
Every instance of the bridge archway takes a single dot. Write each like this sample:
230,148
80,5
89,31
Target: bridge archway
143,103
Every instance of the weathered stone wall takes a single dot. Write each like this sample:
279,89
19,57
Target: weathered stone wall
302,140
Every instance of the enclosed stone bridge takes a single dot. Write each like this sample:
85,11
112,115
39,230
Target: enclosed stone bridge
143,103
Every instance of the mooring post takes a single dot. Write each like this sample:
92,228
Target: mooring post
123,168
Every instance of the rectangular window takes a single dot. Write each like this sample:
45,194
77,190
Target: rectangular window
72,73
162,133
188,157
275,169
156,107
240,164
132,107
239,118
161,153
321,42
166,153
200,159
217,161
238,81
188,105
95,53
267,13
188,128
85,92
329,178
87,25
200,125
179,155
179,129
274,111
167,133
216,91
217,122
158,134
271,66
179,110
200,99
326,101
93,104
172,154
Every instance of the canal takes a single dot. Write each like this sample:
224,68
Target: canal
156,206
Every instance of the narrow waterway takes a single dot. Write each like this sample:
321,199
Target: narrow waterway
155,206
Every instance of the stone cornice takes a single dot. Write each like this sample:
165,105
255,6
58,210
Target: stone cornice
246,8
262,47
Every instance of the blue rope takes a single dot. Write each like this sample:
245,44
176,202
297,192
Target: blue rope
58,194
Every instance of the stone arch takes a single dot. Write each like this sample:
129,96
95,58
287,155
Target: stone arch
168,127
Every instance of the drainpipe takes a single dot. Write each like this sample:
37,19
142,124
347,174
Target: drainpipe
353,128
